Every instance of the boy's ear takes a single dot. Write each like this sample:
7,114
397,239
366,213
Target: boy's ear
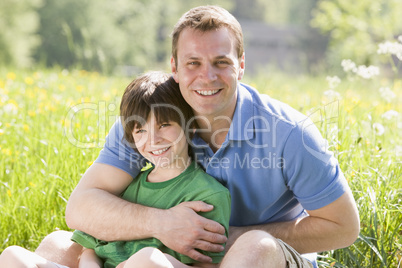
174,69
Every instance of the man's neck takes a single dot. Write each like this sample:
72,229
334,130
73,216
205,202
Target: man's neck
214,129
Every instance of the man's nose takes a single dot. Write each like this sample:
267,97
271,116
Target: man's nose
208,72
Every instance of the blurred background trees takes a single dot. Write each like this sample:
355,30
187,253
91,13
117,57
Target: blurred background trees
104,35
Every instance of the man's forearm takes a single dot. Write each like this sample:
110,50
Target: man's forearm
333,226
306,236
108,217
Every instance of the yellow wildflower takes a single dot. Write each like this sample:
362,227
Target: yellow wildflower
29,80
79,88
9,193
90,163
11,76
31,113
26,127
6,151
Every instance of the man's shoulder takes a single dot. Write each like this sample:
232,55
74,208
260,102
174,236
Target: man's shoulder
266,106
202,179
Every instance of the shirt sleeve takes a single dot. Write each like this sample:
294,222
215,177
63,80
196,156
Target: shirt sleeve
221,214
117,152
84,239
311,171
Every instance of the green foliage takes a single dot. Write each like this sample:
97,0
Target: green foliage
18,25
356,28
285,12
53,124
93,34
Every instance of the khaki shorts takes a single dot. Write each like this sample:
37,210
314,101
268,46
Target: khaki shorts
293,258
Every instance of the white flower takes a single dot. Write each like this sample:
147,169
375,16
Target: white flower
398,150
10,108
388,115
367,72
393,48
387,94
332,95
348,65
333,81
378,129
361,70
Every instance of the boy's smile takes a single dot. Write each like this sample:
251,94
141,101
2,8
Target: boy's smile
163,144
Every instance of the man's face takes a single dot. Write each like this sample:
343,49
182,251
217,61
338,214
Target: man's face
207,71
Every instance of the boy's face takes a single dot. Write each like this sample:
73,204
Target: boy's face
163,144
207,70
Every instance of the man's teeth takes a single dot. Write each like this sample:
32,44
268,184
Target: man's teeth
207,93
160,151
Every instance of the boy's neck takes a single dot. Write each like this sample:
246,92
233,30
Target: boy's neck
161,174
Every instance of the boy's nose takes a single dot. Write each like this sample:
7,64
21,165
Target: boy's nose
155,137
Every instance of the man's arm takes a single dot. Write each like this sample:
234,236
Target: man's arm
95,208
330,227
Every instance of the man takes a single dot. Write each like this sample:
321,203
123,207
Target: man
289,196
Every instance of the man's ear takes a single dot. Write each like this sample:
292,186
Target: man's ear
174,69
242,66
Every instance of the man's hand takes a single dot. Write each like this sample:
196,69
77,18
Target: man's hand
183,230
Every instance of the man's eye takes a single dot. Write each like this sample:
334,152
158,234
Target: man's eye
222,62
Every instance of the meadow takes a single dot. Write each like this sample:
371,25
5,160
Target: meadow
53,124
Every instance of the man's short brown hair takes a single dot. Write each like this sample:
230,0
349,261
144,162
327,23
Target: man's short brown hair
207,18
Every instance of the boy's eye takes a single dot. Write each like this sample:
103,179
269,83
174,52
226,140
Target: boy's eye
139,131
164,125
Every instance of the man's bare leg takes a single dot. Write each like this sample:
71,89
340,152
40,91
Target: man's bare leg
254,249
57,247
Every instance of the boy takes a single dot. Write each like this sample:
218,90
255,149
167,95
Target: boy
156,122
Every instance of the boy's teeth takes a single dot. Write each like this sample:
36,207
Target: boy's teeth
160,151
207,93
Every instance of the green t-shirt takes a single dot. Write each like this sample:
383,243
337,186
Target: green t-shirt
191,185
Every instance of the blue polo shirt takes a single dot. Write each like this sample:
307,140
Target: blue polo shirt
274,161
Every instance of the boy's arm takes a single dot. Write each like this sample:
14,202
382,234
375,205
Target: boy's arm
89,259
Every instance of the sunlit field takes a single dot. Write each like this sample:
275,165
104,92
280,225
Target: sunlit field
53,124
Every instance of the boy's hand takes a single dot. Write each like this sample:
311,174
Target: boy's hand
183,230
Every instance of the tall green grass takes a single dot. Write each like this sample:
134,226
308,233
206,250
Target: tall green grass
53,124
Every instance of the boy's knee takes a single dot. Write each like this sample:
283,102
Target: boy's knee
58,247
11,256
148,257
11,251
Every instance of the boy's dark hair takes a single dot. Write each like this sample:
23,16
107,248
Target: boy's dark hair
159,92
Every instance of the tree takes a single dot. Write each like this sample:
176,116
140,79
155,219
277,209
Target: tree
355,29
18,25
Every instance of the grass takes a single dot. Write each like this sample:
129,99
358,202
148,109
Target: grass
53,124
